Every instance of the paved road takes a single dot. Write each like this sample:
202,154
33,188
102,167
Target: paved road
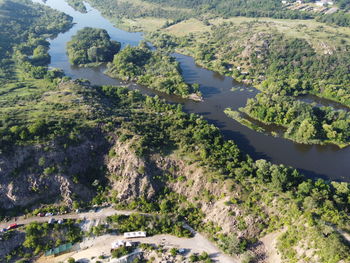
198,243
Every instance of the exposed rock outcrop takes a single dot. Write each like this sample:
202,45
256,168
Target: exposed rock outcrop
132,177
45,172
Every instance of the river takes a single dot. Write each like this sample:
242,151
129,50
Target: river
327,162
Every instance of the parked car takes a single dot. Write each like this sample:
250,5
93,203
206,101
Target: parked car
182,251
49,214
12,226
41,214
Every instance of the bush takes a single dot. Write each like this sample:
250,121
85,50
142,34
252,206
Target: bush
194,258
248,257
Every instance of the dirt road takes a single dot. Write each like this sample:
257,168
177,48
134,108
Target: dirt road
97,246
93,247
100,214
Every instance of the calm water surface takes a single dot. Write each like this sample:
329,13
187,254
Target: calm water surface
316,161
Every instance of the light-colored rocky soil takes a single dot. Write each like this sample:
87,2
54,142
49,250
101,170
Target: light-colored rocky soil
270,242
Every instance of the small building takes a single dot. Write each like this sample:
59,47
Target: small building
324,3
128,244
121,243
135,234
117,244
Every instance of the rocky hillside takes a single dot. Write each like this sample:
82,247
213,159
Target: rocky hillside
166,161
228,211
56,155
50,172
133,178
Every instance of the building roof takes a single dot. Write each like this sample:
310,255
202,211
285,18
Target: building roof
135,234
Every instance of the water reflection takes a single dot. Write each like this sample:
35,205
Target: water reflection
317,161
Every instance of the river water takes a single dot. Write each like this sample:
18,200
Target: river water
328,162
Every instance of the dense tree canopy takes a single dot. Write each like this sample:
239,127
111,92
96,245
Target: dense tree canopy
304,122
154,69
21,22
250,8
77,5
91,45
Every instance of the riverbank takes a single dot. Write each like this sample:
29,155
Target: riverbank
315,161
239,117
154,69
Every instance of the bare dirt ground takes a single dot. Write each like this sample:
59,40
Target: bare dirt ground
270,242
94,247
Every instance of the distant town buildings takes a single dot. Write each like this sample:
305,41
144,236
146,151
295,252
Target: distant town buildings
324,3
318,3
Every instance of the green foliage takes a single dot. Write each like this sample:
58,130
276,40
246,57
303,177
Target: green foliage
154,69
179,10
91,45
22,21
339,18
231,244
77,5
173,252
122,251
248,257
160,128
151,224
204,256
43,236
304,122
329,248
194,258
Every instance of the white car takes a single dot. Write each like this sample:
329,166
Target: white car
49,214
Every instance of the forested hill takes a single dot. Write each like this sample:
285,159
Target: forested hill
206,9
67,145
261,8
21,21
18,20
251,8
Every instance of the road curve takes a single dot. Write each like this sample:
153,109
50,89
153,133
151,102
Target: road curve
197,243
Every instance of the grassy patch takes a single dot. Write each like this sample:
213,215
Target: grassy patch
190,26
141,24
319,34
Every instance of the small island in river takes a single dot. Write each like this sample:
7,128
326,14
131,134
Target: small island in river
91,47
154,69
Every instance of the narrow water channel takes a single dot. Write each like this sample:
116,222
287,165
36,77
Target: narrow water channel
314,160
